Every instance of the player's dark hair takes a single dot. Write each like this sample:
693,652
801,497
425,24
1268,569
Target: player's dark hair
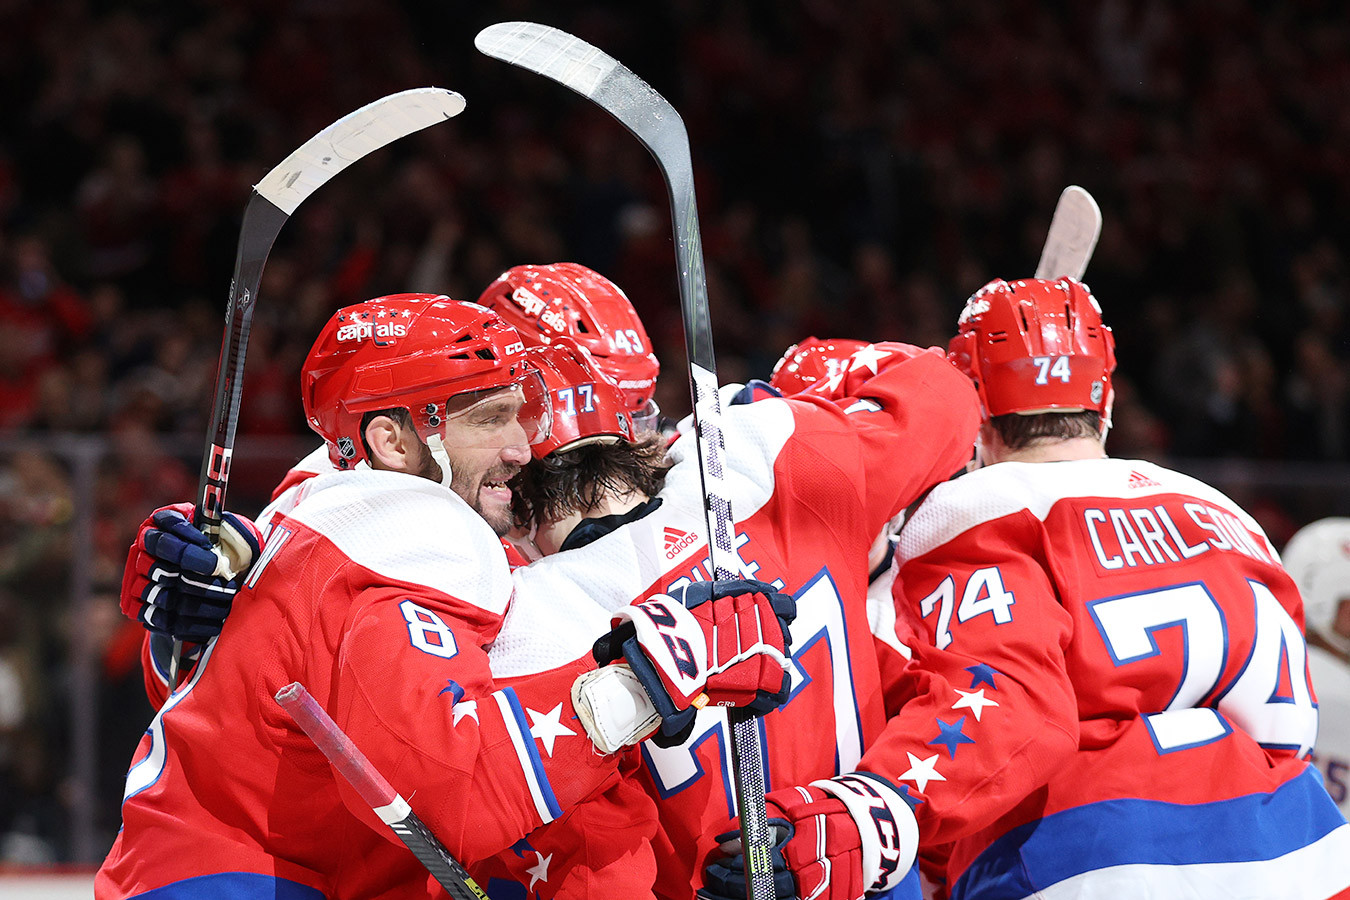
1019,432
573,480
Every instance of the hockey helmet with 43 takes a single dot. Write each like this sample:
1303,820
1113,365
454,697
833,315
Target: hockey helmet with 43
570,300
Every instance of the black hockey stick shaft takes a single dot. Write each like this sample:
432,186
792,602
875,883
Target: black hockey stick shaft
652,120
270,204
386,802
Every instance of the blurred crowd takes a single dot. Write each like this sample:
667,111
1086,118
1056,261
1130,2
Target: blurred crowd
861,166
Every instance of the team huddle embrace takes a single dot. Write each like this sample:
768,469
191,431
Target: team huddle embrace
970,655
484,576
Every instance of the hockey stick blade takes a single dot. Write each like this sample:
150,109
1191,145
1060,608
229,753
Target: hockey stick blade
270,204
613,87
392,809
1074,229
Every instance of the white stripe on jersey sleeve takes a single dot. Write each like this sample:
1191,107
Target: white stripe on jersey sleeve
545,804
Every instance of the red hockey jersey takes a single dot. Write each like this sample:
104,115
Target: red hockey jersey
380,592
1113,695
812,482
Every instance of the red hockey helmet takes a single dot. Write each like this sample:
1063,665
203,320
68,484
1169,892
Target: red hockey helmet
807,362
431,355
567,299
588,406
1036,346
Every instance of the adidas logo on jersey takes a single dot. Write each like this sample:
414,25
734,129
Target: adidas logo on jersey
677,540
1139,480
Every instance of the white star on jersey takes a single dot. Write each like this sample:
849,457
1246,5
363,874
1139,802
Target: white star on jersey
975,701
922,771
465,708
539,871
548,727
868,356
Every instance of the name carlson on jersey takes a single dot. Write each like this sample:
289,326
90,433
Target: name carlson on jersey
359,331
1140,536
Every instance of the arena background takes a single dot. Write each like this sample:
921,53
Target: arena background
862,167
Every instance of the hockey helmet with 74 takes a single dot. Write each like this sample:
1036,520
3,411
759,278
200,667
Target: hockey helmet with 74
1036,346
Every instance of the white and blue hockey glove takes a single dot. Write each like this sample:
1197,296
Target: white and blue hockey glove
724,643
175,583
837,839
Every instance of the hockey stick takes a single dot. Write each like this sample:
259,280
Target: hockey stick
1074,229
273,200
609,84
392,809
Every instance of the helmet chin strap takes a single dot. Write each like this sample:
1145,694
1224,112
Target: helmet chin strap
437,447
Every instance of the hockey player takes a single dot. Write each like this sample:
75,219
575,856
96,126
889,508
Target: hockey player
1112,699
542,302
801,366
811,479
380,590
1318,558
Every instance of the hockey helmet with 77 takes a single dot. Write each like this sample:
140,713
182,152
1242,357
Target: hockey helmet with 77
1036,346
588,407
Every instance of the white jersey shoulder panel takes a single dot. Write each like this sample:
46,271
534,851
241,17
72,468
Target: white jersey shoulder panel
411,529
563,602
755,434
992,492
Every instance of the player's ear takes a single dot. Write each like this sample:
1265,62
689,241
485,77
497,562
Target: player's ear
392,446
989,446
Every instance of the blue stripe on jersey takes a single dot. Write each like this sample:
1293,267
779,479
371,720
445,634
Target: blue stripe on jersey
1039,854
530,762
234,886
910,888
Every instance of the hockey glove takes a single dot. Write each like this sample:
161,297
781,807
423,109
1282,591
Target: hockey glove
838,839
175,583
720,642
